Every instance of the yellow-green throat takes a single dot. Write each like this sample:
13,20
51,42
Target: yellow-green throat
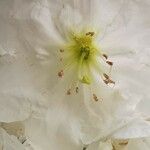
83,51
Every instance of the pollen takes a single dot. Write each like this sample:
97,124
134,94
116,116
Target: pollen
95,97
61,73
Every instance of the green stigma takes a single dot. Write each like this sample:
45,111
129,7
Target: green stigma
85,79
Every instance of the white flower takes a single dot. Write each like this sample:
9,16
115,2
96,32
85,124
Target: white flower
76,71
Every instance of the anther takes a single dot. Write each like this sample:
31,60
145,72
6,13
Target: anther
61,73
105,75
109,63
106,81
61,59
95,97
111,81
105,56
69,92
77,89
90,33
61,50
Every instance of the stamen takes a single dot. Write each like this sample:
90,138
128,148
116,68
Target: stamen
109,63
106,81
95,97
111,81
90,33
69,92
61,74
105,56
105,75
77,89
61,50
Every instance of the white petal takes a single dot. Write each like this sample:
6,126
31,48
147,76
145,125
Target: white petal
129,73
12,108
135,129
34,21
58,137
132,31
110,113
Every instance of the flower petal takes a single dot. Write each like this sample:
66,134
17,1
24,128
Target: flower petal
135,129
12,108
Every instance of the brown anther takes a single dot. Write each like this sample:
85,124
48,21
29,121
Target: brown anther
77,89
61,59
90,33
61,50
95,97
61,73
69,92
105,75
106,81
105,56
111,81
109,63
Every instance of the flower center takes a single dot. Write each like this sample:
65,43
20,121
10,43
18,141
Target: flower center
83,48
82,51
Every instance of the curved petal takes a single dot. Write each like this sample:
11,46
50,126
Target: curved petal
112,111
131,75
12,109
136,129
132,32
44,136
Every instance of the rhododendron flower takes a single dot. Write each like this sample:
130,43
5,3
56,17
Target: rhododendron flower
75,72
